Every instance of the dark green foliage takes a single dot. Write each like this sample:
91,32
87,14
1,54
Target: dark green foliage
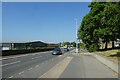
93,47
28,51
73,43
66,43
81,45
102,22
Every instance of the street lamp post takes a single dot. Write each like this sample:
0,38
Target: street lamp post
76,38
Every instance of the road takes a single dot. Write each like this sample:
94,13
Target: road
44,65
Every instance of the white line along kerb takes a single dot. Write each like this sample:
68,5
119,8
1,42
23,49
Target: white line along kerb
11,63
36,57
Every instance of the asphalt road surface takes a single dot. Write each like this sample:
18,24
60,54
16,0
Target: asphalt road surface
44,65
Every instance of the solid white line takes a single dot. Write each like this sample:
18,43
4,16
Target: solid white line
2,58
15,57
23,55
11,63
36,57
33,54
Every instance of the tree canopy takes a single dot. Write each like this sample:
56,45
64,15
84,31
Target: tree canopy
73,43
102,22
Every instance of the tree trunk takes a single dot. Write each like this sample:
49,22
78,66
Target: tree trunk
106,45
113,44
102,45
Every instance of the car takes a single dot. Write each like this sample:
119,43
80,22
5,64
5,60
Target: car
57,51
117,45
66,49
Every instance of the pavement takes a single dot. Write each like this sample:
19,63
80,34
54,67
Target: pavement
44,65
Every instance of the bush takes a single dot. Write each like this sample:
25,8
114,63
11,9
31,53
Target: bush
93,47
81,45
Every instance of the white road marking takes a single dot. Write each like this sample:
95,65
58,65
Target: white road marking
29,68
11,63
15,57
60,56
37,66
36,57
32,54
2,58
43,75
21,72
23,55
10,77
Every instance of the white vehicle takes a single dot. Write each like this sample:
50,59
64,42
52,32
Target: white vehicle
116,45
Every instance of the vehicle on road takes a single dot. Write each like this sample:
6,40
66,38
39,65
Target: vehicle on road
66,49
57,51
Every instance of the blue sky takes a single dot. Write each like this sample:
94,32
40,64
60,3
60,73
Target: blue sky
47,22
0,23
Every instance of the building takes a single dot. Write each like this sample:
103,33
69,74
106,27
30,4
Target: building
35,45
53,45
109,45
27,45
7,46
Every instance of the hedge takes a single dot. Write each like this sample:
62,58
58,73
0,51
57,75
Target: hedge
17,52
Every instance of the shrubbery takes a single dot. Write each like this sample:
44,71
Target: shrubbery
17,52
93,47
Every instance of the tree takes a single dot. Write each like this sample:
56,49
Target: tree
81,45
73,43
110,19
102,22
66,43
89,25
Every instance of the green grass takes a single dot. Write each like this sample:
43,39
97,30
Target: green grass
112,55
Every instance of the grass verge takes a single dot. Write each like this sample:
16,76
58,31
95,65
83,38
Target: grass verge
113,55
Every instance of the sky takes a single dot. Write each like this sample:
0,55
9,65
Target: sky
0,23
51,22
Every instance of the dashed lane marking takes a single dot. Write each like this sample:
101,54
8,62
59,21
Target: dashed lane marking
10,77
29,68
21,72
36,57
37,66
